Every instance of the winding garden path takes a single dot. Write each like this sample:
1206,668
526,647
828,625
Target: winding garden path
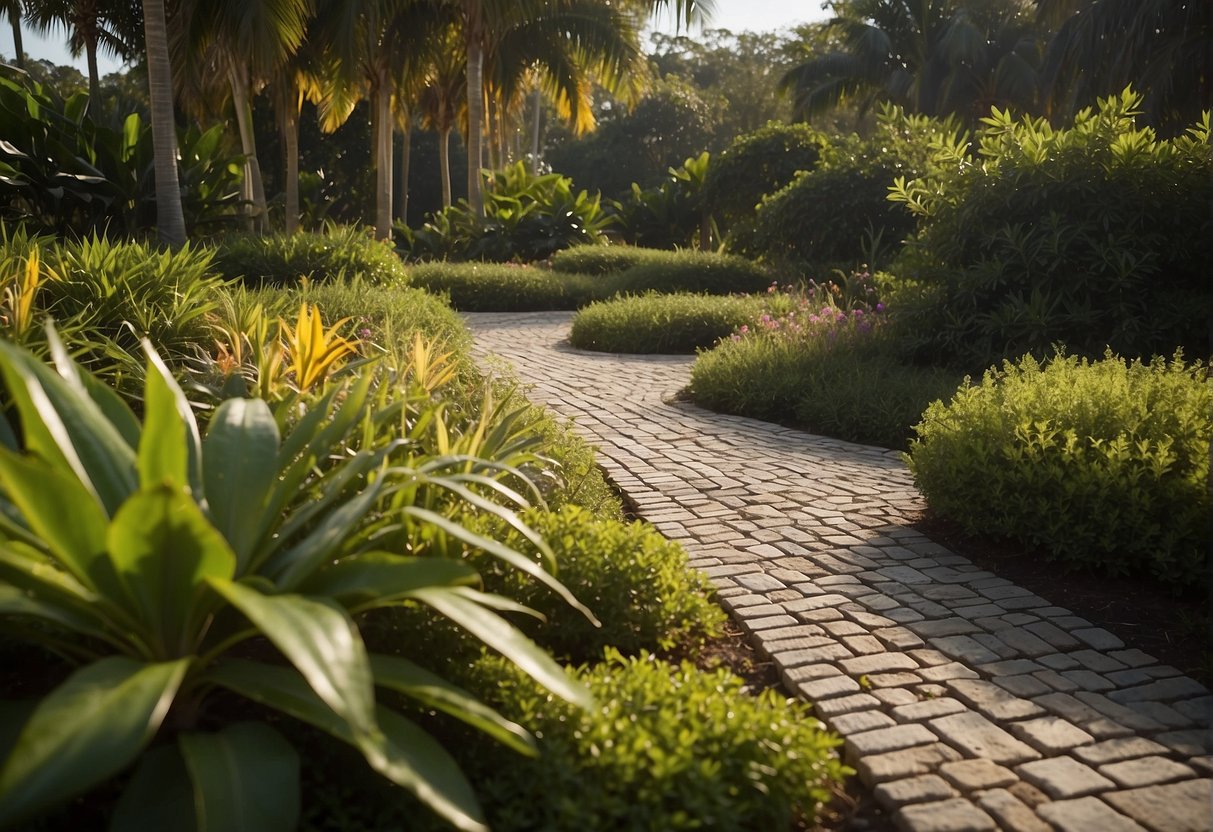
967,703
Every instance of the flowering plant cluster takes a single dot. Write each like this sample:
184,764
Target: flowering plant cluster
830,309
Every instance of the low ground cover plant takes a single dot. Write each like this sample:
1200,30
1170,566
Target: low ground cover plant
1101,464
336,253
598,260
672,323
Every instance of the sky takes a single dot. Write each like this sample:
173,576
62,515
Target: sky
736,15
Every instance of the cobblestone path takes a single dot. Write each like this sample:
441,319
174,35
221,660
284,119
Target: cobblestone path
967,703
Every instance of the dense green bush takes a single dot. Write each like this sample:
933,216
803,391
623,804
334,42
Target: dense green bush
669,747
757,164
675,323
1095,235
838,214
692,271
489,287
597,260
339,252
526,217
1101,464
634,580
671,214
827,370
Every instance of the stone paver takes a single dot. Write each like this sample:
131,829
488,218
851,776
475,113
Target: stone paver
967,702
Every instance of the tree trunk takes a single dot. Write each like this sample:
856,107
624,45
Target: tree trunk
491,122
535,131
290,145
444,164
94,78
248,146
15,20
475,95
170,219
402,175
383,160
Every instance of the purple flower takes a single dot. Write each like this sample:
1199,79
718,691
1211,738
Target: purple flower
880,307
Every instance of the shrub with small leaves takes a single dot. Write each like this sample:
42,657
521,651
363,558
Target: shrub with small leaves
491,287
339,252
1101,464
669,747
692,271
597,260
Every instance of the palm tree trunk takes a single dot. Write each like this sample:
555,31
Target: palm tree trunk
490,118
383,160
402,175
94,78
170,219
14,17
444,165
535,132
248,146
475,114
290,144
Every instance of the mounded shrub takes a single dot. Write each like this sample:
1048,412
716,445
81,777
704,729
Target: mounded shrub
692,271
676,323
1097,235
598,260
634,580
488,287
339,252
839,214
1101,464
669,747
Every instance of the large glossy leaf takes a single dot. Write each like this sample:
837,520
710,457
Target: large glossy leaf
163,387
323,644
163,549
432,691
17,603
66,428
158,796
85,731
403,753
239,468
462,606
246,779
109,402
63,515
163,455
382,577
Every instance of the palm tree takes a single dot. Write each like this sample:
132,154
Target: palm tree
1164,48
933,57
170,219
12,10
92,25
441,99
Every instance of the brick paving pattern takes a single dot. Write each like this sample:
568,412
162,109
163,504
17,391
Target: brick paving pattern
966,702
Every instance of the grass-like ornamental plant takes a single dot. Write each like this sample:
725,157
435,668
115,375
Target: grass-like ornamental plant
669,747
165,567
599,260
1101,464
674,323
337,253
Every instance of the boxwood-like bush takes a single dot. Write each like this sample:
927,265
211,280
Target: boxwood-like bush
653,323
1098,235
633,579
603,259
692,271
490,287
1101,464
669,747
284,259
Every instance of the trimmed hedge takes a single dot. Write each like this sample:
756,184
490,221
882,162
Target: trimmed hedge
599,260
340,252
1101,464
692,271
487,287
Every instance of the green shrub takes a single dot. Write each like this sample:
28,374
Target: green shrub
340,252
823,371
671,214
677,323
597,260
839,214
486,287
1101,464
634,580
669,747
757,164
692,271
1098,235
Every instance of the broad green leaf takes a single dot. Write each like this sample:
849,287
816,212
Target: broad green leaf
163,387
158,796
246,779
402,753
323,644
163,452
239,468
163,549
13,716
63,515
381,576
85,731
461,606
109,402
65,427
432,691
15,602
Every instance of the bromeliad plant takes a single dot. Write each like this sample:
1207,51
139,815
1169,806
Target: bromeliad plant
166,567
